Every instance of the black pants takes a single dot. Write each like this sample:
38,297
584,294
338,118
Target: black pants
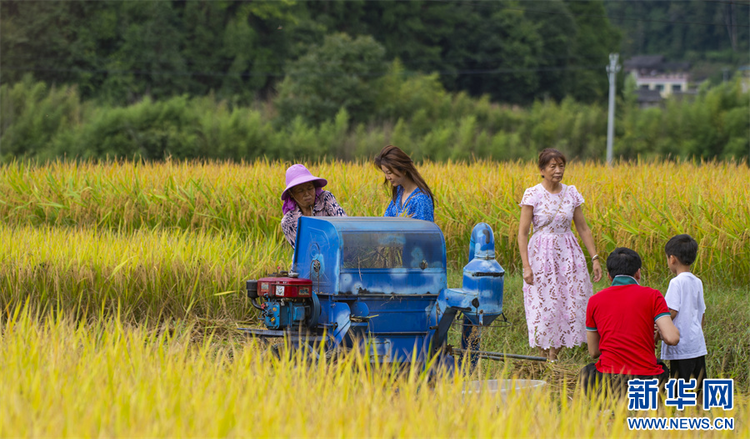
593,380
690,368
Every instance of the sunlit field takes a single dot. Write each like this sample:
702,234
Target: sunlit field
109,379
640,205
121,291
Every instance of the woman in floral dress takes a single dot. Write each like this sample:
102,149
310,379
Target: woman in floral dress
556,280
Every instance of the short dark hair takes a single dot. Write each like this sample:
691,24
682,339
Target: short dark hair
683,247
623,261
549,154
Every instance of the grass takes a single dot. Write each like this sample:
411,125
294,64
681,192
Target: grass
143,274
165,277
111,379
639,205
122,286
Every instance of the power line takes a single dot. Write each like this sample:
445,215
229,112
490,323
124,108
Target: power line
276,74
443,61
230,60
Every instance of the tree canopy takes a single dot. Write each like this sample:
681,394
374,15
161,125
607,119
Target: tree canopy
683,30
510,50
122,51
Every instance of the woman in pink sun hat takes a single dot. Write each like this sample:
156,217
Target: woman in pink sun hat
304,196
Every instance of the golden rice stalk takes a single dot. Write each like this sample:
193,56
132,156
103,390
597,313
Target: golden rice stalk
108,380
639,205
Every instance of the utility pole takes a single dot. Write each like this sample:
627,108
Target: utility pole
1,81
612,70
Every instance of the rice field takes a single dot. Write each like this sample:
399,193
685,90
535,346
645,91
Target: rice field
109,379
639,205
121,288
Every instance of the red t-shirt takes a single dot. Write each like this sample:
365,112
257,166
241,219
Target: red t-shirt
624,317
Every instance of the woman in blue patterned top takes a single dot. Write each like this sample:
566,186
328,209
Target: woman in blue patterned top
410,195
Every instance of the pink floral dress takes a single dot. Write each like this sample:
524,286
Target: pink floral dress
556,303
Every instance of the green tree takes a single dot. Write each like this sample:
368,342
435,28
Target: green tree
337,74
508,49
57,42
558,61
203,51
148,60
594,40
122,51
513,51
692,29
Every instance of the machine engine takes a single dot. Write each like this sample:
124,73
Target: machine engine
288,301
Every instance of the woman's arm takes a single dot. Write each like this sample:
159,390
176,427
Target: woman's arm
527,213
289,227
422,207
332,207
588,240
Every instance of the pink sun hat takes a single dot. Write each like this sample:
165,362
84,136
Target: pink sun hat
298,174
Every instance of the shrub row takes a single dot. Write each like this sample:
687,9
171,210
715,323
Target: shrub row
414,112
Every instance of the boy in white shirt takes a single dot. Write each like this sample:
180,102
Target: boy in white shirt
685,302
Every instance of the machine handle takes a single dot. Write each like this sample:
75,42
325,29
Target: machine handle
254,301
487,274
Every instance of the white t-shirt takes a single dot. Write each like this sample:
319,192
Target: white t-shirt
685,295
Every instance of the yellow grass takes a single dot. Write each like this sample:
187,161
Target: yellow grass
147,274
110,380
637,205
152,242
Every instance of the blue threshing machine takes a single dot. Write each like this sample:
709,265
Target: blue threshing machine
381,284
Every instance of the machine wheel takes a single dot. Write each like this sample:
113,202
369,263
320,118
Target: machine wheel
312,319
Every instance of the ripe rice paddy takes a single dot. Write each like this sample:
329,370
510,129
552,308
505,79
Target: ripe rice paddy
121,291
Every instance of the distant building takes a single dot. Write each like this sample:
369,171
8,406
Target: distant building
652,73
648,98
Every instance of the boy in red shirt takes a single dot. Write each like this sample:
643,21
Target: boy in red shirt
620,326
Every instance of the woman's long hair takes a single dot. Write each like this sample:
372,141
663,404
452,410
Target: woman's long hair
396,160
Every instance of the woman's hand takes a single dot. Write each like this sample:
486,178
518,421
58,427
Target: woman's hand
528,276
597,269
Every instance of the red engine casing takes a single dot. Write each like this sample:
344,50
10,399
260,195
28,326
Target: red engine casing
285,287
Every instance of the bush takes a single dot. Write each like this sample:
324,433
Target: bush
411,111
33,114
